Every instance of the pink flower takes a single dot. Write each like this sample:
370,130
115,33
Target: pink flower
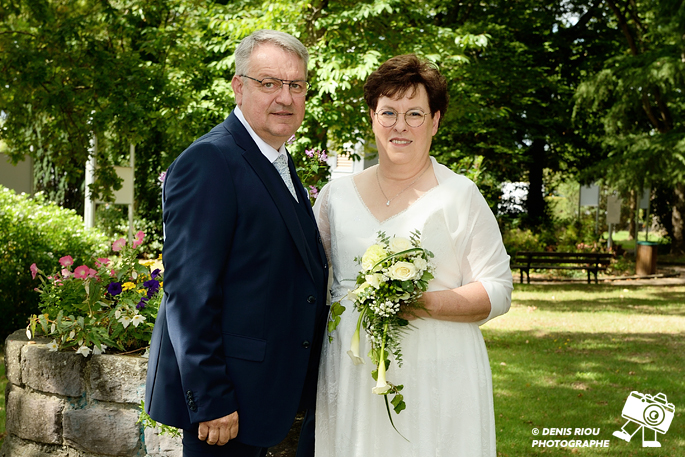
66,261
118,245
309,152
34,270
92,273
313,192
66,273
81,272
101,261
139,239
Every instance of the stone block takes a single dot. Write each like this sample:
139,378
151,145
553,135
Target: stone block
118,378
16,447
102,430
34,416
157,445
13,345
53,372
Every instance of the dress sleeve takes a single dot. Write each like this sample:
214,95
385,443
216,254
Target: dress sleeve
487,257
321,214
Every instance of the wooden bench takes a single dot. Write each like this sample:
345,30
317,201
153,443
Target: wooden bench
593,262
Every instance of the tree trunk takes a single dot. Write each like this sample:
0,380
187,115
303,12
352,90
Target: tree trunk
535,203
632,214
677,217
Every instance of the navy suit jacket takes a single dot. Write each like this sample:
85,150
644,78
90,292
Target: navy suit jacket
243,315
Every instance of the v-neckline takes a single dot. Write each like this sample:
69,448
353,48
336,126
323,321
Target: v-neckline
368,210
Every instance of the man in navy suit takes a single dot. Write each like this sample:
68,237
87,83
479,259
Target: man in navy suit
236,345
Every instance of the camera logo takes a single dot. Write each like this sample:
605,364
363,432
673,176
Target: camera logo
646,412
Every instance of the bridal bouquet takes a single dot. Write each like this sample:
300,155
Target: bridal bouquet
394,273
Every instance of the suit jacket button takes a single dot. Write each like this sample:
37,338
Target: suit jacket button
305,344
189,395
311,299
191,405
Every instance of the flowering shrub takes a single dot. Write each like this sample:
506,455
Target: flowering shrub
109,304
33,229
312,168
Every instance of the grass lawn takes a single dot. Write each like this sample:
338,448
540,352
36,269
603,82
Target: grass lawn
568,356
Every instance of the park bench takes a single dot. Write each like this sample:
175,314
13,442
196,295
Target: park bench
593,262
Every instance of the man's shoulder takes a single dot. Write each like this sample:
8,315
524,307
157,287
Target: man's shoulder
222,139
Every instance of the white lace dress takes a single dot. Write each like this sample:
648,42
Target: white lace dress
446,373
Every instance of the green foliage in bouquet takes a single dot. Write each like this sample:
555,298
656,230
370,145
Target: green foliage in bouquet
109,303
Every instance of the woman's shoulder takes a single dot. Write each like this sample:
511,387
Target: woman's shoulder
448,178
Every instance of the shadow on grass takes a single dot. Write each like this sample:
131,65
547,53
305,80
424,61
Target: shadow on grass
581,380
667,300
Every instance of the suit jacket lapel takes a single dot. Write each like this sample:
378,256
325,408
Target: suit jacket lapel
273,183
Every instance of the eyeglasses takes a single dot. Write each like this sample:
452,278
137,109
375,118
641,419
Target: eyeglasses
298,88
413,117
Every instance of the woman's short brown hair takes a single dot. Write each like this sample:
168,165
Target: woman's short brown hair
403,74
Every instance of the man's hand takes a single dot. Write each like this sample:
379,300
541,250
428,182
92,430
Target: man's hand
219,431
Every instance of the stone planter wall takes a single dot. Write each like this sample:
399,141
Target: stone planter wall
64,404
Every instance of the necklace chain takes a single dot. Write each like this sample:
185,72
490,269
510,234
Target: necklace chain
387,203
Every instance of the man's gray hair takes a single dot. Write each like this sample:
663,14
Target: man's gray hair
288,42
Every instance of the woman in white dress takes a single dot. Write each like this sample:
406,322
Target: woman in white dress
445,372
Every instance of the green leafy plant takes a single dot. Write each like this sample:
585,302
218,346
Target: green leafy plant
147,422
108,304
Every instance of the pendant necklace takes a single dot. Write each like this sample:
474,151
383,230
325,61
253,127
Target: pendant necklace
387,203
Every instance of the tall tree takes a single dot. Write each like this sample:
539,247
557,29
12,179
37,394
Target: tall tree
120,71
638,101
518,115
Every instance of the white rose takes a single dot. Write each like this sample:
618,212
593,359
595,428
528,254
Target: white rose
372,256
420,263
402,271
399,244
374,279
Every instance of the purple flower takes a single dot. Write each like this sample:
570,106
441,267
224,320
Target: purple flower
162,176
291,140
313,192
141,304
114,288
152,287
323,156
155,273
309,152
